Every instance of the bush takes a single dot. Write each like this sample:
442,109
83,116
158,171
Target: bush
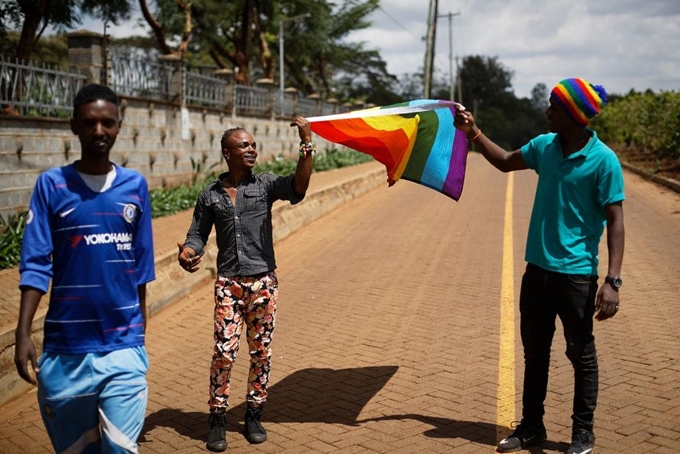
11,233
167,201
646,123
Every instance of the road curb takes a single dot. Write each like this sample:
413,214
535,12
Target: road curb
668,182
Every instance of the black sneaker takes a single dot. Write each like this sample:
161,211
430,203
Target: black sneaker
582,442
523,436
217,441
252,428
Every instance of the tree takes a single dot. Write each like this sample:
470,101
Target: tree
410,86
223,31
10,16
51,50
539,97
440,85
328,63
234,41
107,10
487,90
145,47
36,15
485,80
243,35
173,11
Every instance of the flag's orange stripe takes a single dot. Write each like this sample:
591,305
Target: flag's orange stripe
387,146
400,151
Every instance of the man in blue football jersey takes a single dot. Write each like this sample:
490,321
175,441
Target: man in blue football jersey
88,230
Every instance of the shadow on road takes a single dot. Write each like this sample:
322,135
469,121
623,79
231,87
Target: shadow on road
309,395
479,432
327,396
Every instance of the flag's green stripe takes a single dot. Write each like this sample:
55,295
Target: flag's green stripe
427,131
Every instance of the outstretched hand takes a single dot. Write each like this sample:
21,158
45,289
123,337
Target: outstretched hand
463,119
188,259
304,128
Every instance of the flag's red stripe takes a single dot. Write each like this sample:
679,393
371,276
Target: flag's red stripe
386,147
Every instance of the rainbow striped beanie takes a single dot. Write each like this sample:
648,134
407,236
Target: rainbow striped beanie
580,99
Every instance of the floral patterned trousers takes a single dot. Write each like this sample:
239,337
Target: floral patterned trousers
243,301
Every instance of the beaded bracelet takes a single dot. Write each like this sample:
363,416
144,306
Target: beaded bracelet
306,149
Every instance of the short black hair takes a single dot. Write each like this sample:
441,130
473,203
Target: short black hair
91,93
227,133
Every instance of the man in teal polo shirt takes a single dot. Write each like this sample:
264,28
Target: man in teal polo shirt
579,192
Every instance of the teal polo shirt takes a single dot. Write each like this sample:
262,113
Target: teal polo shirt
568,217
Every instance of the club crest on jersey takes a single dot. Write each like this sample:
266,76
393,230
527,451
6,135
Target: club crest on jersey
48,411
129,212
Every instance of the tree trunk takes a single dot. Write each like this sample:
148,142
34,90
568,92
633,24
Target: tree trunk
243,43
266,59
186,8
33,14
156,28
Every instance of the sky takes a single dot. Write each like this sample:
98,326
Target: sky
619,44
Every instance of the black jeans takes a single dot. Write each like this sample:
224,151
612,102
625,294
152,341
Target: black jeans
545,295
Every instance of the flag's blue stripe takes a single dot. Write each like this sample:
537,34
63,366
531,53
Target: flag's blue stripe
420,102
437,166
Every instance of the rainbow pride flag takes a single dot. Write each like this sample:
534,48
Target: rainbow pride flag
415,140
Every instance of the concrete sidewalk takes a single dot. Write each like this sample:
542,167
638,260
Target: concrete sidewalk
327,191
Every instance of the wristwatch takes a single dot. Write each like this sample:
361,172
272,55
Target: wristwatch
614,281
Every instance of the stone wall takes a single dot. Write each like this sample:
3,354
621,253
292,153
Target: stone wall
153,140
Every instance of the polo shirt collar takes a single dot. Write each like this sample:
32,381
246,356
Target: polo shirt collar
582,152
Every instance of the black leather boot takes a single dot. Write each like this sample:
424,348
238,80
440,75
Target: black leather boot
252,428
217,440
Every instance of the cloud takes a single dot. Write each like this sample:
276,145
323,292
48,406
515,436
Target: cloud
620,44
615,43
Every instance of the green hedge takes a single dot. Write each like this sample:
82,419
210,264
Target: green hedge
167,201
647,124
11,233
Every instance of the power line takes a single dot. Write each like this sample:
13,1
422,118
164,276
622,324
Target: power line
398,23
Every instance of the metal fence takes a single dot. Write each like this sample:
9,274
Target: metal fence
252,101
141,78
42,91
203,90
308,107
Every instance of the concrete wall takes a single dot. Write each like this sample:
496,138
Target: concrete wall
151,141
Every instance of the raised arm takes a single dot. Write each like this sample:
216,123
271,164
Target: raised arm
303,171
503,160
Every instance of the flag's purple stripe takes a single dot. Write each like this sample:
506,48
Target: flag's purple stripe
453,187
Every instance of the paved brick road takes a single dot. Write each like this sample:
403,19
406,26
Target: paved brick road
389,332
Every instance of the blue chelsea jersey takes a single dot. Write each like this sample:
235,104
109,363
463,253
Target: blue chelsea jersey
96,248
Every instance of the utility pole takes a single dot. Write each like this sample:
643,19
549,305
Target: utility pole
281,60
450,16
429,48
460,84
